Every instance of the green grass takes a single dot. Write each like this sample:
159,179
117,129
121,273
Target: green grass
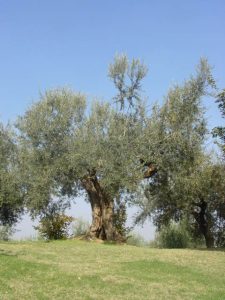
85,270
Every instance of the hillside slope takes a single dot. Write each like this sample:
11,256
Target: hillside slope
85,270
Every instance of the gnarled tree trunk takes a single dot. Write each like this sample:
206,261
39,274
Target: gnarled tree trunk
203,223
102,206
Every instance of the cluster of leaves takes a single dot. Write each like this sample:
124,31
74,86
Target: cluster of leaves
127,77
46,135
220,131
11,192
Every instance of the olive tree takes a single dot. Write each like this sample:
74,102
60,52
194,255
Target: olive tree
67,148
107,150
178,152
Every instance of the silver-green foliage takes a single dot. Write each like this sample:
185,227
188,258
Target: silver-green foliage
46,133
127,77
62,140
11,189
219,131
177,130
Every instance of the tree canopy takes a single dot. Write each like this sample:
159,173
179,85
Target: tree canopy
183,185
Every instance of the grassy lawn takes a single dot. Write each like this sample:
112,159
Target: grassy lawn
85,270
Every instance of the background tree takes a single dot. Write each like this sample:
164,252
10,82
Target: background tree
205,209
11,193
177,149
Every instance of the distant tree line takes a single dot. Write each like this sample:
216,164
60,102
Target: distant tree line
117,154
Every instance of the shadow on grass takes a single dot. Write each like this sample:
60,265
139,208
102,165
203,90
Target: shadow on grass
211,249
6,253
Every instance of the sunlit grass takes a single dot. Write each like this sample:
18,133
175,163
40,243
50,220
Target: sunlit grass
85,270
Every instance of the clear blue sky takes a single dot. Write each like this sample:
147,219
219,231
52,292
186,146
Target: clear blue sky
50,43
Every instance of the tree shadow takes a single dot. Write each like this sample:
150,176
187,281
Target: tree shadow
6,253
211,249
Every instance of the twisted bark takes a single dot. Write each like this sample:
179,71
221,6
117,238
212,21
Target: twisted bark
102,206
204,224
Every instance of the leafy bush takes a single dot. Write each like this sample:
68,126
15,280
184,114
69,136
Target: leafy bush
55,227
153,243
54,224
175,235
6,232
136,239
80,227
